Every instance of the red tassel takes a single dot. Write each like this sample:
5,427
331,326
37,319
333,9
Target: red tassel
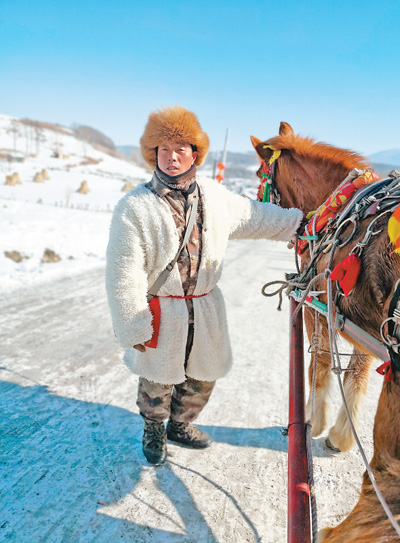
386,370
347,273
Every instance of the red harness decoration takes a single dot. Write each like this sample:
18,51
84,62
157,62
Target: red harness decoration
155,309
331,206
386,370
347,273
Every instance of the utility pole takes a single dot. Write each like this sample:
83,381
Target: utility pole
225,147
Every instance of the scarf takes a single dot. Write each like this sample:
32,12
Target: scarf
182,181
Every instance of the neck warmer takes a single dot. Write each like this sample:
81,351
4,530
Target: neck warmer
177,182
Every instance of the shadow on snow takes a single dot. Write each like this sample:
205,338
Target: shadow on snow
60,457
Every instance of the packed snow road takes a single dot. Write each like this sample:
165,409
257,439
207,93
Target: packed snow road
72,469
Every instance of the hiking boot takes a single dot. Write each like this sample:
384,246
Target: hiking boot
187,434
154,442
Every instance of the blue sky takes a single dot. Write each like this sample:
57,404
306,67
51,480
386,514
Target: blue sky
330,69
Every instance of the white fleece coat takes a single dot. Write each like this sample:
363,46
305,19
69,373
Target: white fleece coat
143,240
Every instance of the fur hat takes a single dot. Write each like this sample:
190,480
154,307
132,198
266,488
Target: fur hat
174,123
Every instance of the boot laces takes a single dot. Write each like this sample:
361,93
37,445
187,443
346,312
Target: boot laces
155,434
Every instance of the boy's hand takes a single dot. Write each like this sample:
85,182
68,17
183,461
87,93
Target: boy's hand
140,347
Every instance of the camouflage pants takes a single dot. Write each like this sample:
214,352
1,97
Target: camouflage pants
182,402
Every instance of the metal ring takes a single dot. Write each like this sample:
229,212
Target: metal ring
340,227
384,339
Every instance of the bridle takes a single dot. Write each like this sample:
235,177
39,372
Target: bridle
271,194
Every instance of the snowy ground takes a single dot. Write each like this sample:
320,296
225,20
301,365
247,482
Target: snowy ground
72,467
78,237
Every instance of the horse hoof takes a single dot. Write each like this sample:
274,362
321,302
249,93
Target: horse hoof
330,446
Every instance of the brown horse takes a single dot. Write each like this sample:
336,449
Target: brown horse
306,174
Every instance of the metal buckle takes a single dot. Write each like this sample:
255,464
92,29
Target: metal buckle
352,220
359,246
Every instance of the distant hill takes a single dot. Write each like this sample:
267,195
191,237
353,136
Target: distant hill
238,165
385,161
127,150
132,152
390,156
93,136
383,169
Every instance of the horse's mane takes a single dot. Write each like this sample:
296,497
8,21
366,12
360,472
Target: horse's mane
323,152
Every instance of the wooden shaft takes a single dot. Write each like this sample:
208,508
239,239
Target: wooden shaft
298,489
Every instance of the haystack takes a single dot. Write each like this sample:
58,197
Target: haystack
38,178
14,255
84,188
13,179
50,257
45,175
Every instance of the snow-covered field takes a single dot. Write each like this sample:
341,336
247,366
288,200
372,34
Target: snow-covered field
78,237
70,456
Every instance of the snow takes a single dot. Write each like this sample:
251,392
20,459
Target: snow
72,466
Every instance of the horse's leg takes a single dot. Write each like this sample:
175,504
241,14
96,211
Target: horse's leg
355,386
321,359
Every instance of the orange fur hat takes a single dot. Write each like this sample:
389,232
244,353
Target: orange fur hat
174,123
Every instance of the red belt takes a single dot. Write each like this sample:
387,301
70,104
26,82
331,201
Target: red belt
155,309
187,297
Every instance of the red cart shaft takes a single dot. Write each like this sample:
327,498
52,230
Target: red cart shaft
298,489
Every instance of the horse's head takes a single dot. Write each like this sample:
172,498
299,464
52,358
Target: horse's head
301,172
269,151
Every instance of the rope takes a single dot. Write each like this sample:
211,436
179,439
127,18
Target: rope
304,296
289,285
315,337
337,369
284,285
313,502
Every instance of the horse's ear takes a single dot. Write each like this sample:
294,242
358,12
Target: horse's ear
258,146
285,129
255,141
